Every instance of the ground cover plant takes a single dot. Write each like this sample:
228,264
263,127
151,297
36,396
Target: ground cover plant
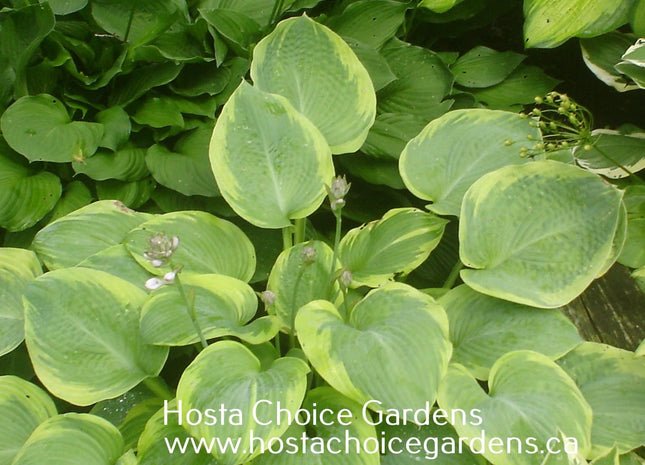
262,232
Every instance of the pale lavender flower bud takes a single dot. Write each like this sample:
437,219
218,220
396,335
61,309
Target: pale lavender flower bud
268,298
308,255
345,279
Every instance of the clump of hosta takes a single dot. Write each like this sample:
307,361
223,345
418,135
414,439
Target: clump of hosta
564,124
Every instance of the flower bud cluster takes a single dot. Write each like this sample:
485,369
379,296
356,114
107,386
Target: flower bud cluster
563,123
160,249
337,192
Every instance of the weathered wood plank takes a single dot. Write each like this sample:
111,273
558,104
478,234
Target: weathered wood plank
611,310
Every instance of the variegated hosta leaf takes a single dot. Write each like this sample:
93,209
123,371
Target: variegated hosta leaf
227,373
18,267
321,77
456,149
613,155
397,243
529,396
393,349
550,23
601,55
633,63
262,148
73,238
633,252
161,430
85,344
71,439
23,406
484,328
537,234
117,261
317,400
612,380
223,307
295,283
207,244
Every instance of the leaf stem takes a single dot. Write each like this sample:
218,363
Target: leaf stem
294,309
454,274
190,308
158,387
299,235
339,220
287,238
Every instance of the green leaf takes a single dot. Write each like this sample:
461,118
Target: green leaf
550,23
117,261
612,381
240,30
392,131
374,63
612,154
27,194
397,243
132,194
207,244
201,78
85,345
456,149
321,77
71,439
223,306
185,169
23,406
227,373
638,18
529,396
21,32
394,349
261,150
18,267
601,55
519,88
134,21
372,22
484,328
73,238
128,88
65,7
374,170
633,63
334,434
639,277
259,11
116,127
485,67
441,440
439,6
547,245
39,128
423,81
633,254
158,112
295,283
126,164
152,446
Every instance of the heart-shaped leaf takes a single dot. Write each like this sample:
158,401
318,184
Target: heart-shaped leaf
227,373
223,306
612,381
117,261
116,127
393,349
545,246
456,149
85,344
529,398
23,406
27,194
126,164
261,150
73,238
18,267
321,77
162,431
296,282
485,67
397,243
186,168
71,439
39,128
613,154
339,450
484,328
207,244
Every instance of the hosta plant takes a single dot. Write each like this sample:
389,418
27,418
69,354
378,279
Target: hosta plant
248,332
